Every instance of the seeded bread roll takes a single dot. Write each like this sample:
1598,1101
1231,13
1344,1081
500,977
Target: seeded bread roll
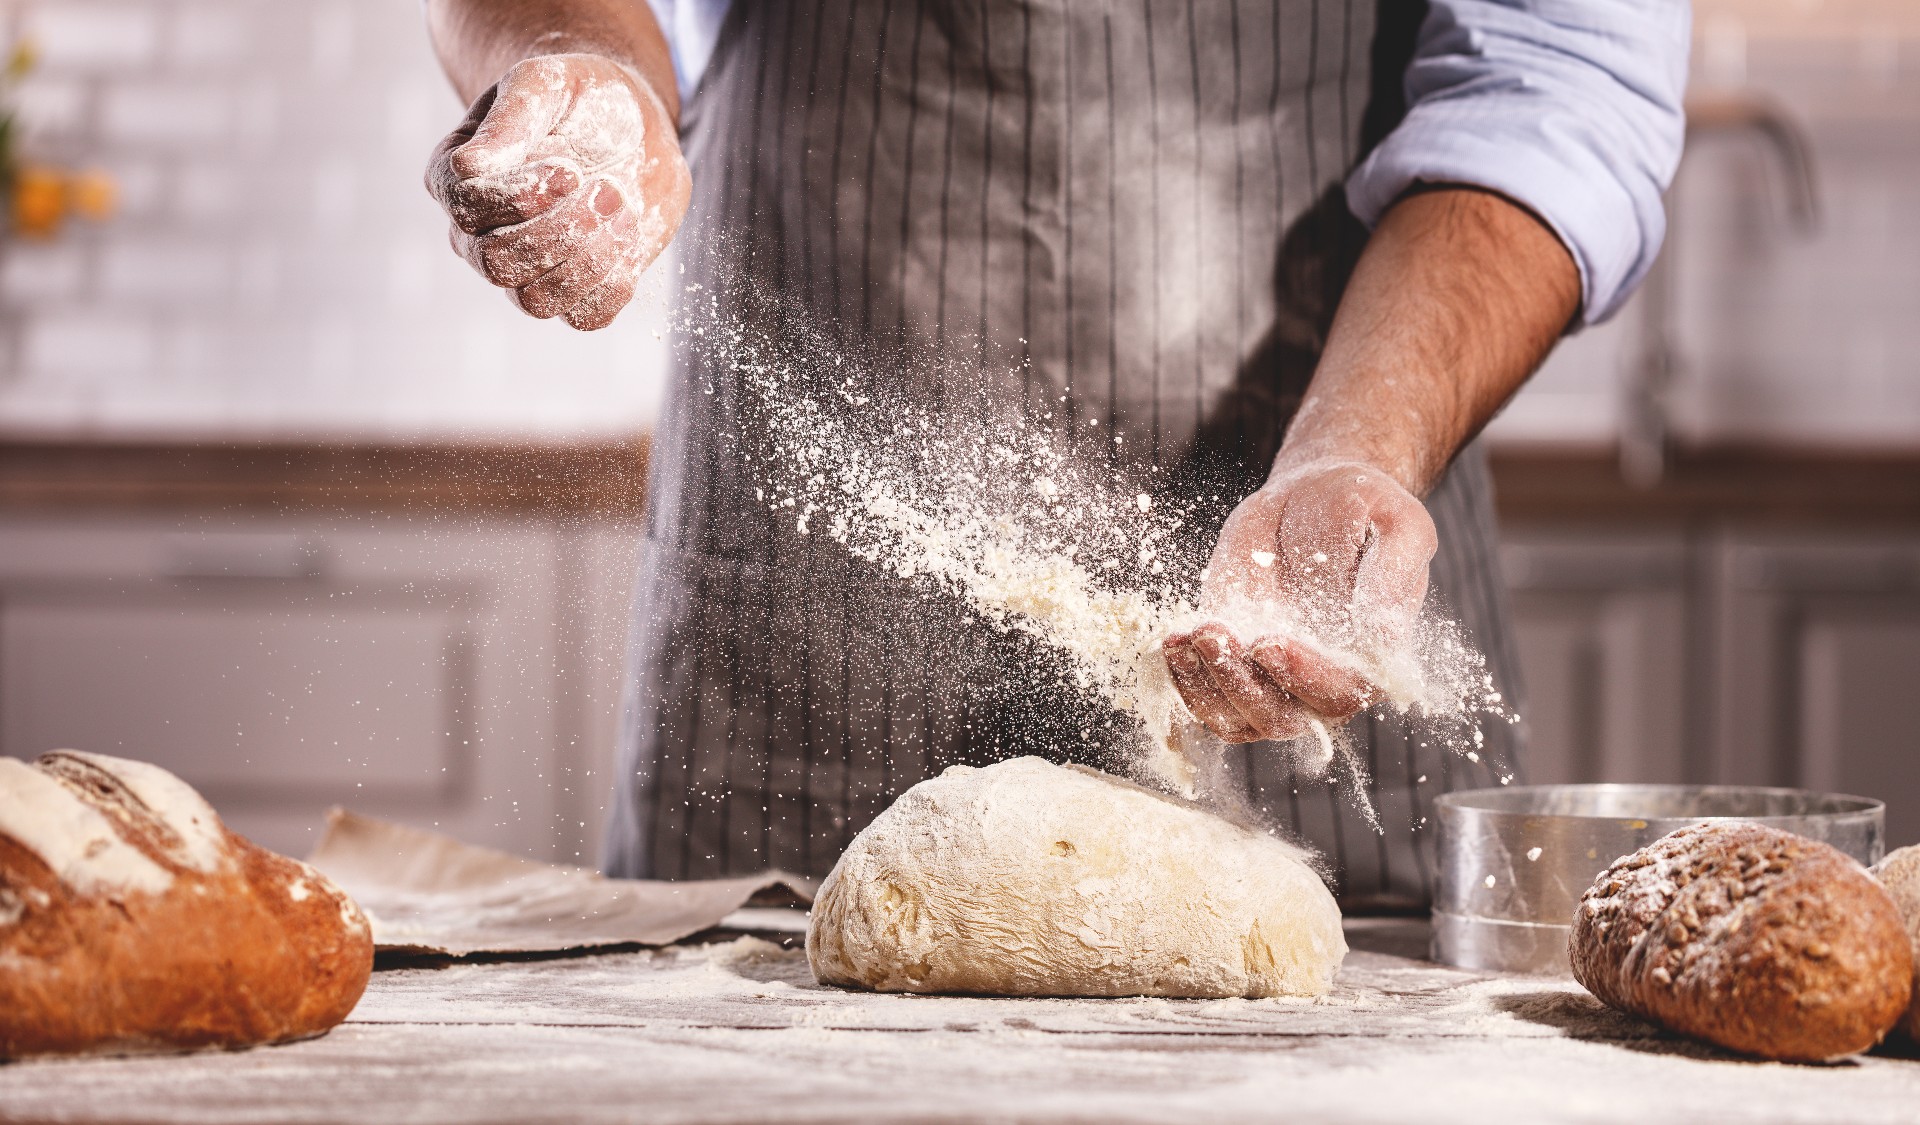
1752,938
1900,874
131,920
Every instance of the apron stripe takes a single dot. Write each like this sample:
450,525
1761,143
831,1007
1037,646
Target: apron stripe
1113,247
1155,277
1200,247
785,694
867,287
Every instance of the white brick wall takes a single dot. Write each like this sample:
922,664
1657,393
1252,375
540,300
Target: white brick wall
275,268
160,114
84,36
94,345
168,271
43,274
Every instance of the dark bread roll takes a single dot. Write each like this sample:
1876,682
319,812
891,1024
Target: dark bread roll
1900,874
131,920
1752,938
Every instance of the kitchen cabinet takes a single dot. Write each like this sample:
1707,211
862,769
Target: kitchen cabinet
458,674
1723,655
1819,685
1601,626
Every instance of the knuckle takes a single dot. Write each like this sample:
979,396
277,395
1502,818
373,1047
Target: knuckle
541,68
464,220
512,272
533,307
591,316
503,261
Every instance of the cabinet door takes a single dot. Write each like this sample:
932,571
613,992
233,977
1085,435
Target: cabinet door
1820,645
1600,623
249,694
428,671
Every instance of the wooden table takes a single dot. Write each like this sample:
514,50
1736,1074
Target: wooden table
738,1031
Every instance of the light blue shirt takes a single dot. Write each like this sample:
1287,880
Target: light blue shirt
1571,108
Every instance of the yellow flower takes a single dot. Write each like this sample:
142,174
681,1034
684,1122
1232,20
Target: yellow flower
92,195
39,201
25,56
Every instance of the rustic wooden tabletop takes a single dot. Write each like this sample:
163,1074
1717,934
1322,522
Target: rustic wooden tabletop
738,1031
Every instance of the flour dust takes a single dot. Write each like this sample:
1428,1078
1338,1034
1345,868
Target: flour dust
1037,532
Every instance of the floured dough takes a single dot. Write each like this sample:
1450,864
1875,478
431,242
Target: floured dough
1030,879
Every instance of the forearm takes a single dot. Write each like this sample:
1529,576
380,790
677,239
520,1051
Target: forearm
479,40
1457,298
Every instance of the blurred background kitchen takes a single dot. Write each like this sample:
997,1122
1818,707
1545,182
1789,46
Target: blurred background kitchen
292,503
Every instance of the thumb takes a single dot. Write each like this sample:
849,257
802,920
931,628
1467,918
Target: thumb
526,105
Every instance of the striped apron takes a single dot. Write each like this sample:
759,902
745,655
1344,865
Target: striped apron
1124,218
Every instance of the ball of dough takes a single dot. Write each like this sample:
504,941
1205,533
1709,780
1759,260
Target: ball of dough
1026,878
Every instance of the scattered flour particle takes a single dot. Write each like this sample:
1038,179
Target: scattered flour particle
1490,881
1533,854
1034,541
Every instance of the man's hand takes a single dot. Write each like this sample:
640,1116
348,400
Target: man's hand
1458,297
1337,550
564,183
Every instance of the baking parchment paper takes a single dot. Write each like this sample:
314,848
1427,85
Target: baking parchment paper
430,894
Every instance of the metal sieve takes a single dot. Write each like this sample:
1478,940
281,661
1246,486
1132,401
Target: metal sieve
1514,862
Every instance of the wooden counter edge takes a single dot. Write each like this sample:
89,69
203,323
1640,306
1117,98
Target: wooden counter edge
1746,485
608,478
589,479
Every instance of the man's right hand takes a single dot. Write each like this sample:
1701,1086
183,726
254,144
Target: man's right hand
564,183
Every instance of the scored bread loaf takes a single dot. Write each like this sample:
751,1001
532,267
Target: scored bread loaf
131,920
1745,936
1900,874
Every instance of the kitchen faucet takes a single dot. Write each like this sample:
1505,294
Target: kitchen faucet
1645,425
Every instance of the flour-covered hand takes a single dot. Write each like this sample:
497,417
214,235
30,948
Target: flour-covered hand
564,183
1324,571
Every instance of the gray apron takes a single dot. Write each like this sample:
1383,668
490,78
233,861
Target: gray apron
1126,215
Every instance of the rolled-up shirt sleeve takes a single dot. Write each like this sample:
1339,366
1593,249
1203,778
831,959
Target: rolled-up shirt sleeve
1571,108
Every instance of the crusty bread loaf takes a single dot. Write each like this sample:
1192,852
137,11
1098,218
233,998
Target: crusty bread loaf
131,920
1749,937
1900,874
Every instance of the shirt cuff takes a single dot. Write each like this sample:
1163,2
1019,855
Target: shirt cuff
1611,225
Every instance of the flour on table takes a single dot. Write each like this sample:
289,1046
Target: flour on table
1029,879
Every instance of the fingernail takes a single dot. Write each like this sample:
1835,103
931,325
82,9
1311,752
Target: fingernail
606,200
